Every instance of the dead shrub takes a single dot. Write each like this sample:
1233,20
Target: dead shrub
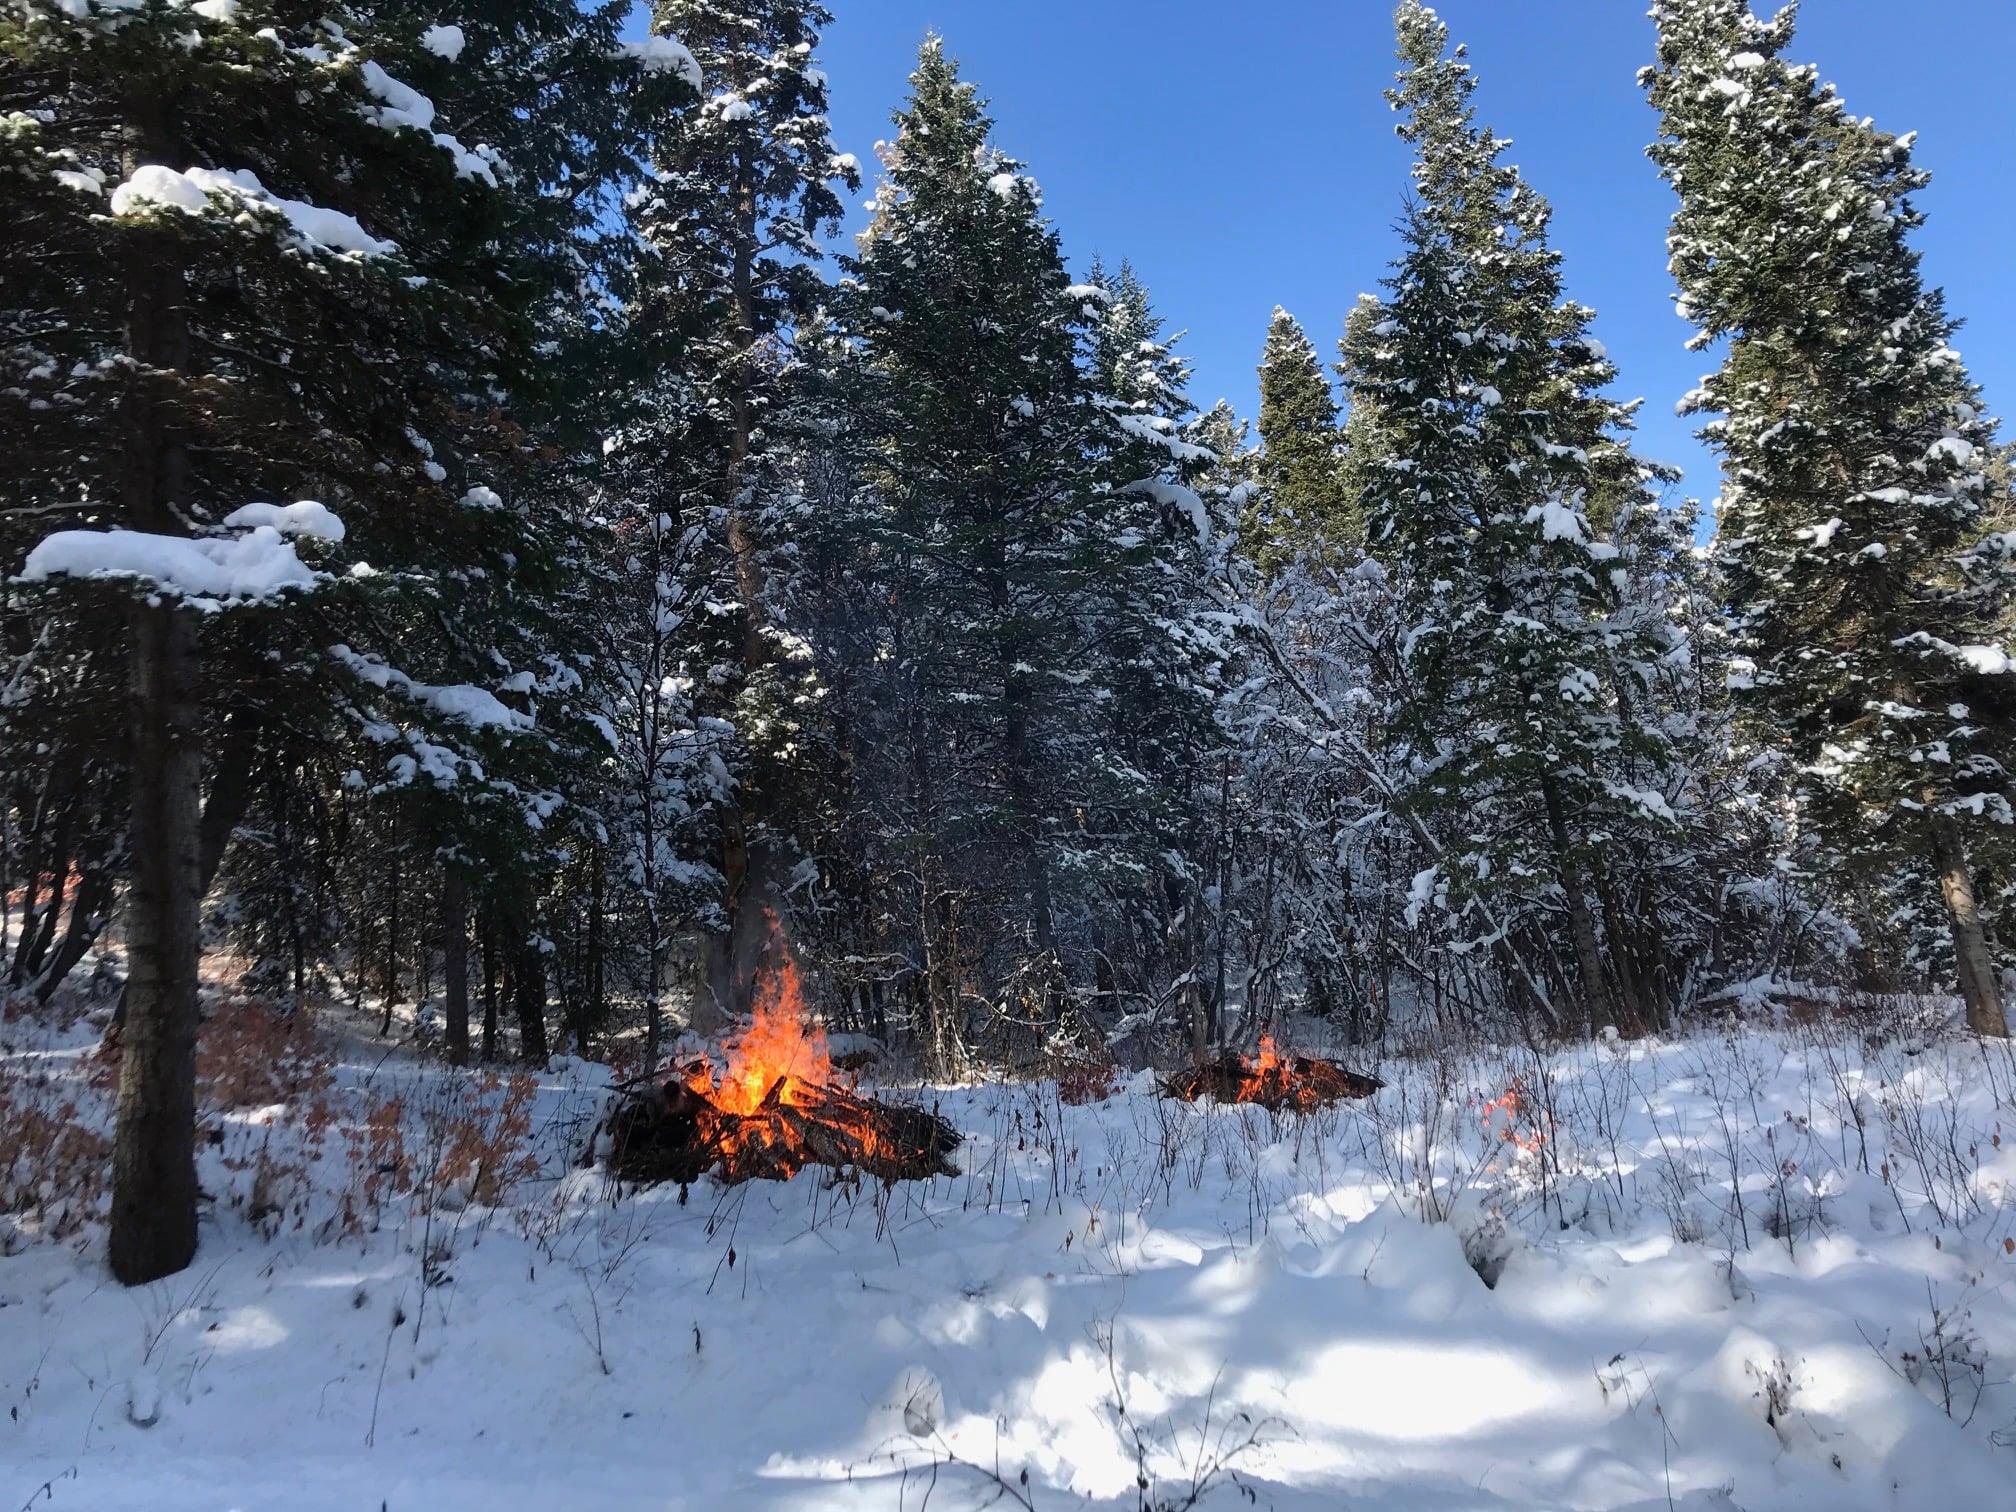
251,1054
55,1165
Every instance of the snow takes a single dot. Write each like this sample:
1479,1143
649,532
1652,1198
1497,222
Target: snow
153,186
444,41
1176,496
666,55
84,180
1558,521
1707,1280
1989,661
403,106
305,517
478,708
1986,660
208,573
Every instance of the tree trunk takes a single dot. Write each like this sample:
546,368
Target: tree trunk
455,964
489,983
153,1230
528,980
1638,1014
230,790
1978,987
391,955
88,913
1581,924
598,1001
153,1227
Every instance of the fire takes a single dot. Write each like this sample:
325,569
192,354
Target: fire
780,1051
775,1107
1295,1083
1521,1127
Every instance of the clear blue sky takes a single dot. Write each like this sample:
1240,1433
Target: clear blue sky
1242,155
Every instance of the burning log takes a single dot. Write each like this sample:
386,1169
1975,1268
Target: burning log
1292,1083
677,1131
775,1109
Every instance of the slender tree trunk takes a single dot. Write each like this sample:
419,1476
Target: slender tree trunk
1581,924
391,954
1637,1014
1978,988
455,964
38,915
598,1003
88,912
230,789
153,1231
489,983
153,1227
528,980
654,988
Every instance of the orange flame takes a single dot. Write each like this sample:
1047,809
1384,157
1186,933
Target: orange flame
1521,1128
781,1052
780,1044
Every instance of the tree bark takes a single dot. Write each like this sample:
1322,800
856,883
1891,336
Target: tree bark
153,1231
153,1221
391,955
489,983
1978,987
88,913
598,1001
455,964
528,981
1581,924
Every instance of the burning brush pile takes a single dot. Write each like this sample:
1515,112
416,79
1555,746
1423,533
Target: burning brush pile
1285,1083
776,1108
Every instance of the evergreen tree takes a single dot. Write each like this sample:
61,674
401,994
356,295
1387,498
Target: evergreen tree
1019,509
1856,529
741,190
1487,389
1168,656
304,289
1300,463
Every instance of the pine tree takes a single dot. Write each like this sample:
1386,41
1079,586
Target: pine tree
1017,506
1487,389
1856,529
304,289
741,190
1169,659
1300,465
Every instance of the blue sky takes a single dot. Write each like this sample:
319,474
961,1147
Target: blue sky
1242,156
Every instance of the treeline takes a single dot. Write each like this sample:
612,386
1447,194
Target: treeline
468,542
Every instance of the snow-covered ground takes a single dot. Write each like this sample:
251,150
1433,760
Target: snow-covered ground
1762,1269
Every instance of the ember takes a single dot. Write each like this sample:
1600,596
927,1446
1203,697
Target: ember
1295,1083
775,1109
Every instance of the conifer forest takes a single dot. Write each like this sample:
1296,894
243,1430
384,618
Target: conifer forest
681,827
